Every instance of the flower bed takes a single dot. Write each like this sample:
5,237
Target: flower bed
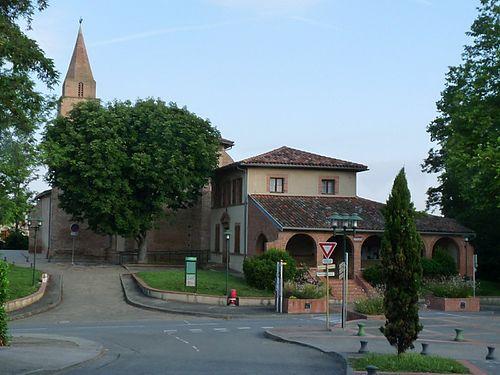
304,306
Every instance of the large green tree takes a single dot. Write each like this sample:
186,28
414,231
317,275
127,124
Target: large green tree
22,106
467,131
120,165
402,267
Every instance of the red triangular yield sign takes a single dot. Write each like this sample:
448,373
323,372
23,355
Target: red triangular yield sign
327,248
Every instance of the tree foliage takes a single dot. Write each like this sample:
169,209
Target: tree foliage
120,165
402,267
467,131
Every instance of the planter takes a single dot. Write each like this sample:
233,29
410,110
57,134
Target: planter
470,304
304,306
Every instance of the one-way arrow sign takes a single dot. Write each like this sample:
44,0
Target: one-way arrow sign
327,248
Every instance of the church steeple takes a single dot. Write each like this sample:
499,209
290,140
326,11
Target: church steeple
79,83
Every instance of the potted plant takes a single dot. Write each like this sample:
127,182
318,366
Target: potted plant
303,298
451,294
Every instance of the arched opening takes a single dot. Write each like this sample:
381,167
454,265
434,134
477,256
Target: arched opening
303,249
448,246
80,89
370,252
338,254
260,245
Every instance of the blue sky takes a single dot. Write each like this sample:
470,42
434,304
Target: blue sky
357,80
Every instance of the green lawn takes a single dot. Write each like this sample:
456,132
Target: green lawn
209,282
20,281
411,362
488,288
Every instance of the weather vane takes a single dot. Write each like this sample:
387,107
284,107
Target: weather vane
81,20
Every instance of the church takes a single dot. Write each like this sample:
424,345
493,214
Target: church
280,199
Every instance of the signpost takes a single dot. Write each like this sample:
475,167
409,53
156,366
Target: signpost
279,286
190,272
74,228
327,248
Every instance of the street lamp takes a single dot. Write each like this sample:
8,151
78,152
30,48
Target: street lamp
227,235
348,222
35,224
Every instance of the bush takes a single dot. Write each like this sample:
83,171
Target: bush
374,275
16,241
4,295
442,264
303,291
260,270
453,287
370,306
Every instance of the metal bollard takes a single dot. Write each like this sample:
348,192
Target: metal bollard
424,349
491,353
371,370
459,334
361,329
364,347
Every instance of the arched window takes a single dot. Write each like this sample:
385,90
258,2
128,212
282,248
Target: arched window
80,89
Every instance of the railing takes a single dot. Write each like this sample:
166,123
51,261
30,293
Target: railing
165,256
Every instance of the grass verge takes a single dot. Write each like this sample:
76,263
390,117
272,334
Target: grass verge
20,281
209,282
409,362
488,288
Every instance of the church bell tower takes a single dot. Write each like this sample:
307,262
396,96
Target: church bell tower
79,83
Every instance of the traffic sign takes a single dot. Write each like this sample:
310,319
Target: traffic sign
327,248
341,270
327,261
323,274
74,228
323,267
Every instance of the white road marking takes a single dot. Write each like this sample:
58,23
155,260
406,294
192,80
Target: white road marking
196,330
182,340
243,328
195,348
169,331
266,327
220,329
63,322
28,329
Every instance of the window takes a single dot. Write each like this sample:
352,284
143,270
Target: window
80,89
237,191
226,193
217,238
237,229
276,184
328,187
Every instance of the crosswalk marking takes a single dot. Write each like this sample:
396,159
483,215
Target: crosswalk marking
220,329
243,328
195,330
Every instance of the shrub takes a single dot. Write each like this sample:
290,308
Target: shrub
452,287
303,291
374,275
448,266
370,306
16,241
260,270
4,284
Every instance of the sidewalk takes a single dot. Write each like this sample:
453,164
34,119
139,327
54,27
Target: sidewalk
480,330
46,354
136,298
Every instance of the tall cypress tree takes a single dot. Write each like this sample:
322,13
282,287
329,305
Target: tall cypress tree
402,267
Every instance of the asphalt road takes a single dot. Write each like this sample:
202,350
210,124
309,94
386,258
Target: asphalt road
192,346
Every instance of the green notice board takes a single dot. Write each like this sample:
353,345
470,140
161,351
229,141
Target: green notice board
190,272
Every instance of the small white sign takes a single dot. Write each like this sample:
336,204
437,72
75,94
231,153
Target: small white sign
323,267
190,279
327,261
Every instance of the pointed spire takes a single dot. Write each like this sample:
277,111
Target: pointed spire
79,71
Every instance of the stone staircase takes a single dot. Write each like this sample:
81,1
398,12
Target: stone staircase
355,290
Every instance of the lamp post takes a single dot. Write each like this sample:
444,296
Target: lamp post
348,223
227,235
34,224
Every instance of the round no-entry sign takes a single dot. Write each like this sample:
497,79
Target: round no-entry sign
75,228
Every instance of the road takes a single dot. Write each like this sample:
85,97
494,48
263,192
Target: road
138,341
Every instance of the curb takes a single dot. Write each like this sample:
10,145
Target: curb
339,357
42,309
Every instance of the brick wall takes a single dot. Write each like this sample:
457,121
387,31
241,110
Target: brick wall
258,223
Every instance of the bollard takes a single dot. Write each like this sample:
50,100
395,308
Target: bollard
371,370
5,259
424,349
361,329
363,349
459,334
491,353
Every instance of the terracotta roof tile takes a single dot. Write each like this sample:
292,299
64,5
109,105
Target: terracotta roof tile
311,212
290,157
